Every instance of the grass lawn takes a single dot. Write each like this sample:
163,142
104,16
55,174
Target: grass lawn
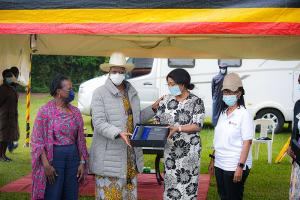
265,181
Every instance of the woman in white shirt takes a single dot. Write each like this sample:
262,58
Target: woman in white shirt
232,159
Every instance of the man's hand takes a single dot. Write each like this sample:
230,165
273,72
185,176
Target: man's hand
125,137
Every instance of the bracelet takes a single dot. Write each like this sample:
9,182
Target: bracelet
212,156
82,162
179,128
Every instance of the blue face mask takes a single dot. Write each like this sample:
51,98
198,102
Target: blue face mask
230,100
175,90
299,87
9,81
71,96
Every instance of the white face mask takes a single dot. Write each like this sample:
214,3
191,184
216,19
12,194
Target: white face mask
223,71
117,78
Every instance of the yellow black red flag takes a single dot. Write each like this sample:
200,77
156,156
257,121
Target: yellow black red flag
251,17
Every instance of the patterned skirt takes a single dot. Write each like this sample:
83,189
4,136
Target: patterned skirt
295,182
182,166
112,188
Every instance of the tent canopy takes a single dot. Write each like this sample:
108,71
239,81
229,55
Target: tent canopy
173,46
268,29
15,51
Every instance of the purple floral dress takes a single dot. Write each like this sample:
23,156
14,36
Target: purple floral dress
53,127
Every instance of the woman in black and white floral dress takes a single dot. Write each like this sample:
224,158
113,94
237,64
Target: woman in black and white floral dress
184,112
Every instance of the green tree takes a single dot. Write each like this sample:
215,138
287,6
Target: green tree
78,68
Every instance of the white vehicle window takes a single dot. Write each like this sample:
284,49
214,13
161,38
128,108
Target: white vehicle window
181,63
143,67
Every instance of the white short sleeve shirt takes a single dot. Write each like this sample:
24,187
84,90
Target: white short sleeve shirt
230,133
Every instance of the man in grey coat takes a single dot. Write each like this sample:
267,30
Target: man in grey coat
115,111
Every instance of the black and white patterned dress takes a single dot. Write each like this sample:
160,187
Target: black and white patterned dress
182,151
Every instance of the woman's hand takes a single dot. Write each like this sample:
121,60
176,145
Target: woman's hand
173,130
211,167
156,104
238,174
80,172
291,153
50,173
125,138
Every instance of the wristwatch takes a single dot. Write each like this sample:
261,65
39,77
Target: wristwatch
241,165
82,162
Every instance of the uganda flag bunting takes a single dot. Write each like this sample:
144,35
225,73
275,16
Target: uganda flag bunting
246,17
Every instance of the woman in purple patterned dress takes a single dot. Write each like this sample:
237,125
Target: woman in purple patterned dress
59,150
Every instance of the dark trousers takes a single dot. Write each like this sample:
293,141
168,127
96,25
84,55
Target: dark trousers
227,189
65,162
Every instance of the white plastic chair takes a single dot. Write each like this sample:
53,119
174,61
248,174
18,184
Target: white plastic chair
265,126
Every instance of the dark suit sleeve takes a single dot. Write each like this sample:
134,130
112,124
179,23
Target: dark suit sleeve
213,87
3,95
295,121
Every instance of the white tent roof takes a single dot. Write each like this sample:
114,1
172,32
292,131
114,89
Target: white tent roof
15,51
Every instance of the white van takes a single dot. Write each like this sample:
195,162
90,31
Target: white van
271,87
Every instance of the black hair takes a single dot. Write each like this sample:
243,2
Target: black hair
56,83
7,73
240,101
15,71
181,76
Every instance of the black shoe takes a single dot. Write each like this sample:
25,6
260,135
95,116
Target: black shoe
7,159
12,146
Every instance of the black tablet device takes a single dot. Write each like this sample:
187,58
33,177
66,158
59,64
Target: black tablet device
149,135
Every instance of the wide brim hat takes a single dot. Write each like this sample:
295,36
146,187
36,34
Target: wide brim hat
117,59
232,82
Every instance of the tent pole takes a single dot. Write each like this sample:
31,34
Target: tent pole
28,95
